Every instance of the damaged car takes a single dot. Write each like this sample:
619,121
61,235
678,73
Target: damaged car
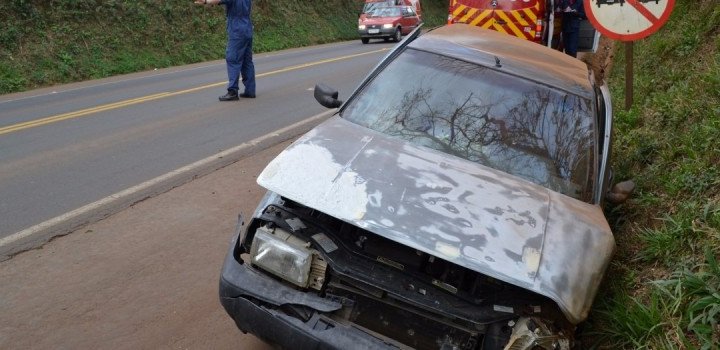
454,201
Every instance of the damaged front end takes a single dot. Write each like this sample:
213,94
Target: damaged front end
454,209
302,279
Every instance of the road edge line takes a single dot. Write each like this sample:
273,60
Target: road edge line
36,236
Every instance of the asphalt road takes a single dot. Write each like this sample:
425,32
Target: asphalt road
64,147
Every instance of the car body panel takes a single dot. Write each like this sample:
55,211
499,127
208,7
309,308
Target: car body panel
471,215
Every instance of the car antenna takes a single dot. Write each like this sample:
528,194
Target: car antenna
497,62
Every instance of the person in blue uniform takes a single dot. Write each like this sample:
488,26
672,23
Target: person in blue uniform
573,13
238,54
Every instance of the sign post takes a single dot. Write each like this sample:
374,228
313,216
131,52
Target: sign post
628,20
628,75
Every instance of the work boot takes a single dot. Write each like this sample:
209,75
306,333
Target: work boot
230,96
247,95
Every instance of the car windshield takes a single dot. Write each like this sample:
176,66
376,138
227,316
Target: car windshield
526,129
385,12
370,6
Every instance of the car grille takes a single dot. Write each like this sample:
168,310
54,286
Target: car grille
415,298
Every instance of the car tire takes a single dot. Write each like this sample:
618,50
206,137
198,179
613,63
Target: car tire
398,35
365,40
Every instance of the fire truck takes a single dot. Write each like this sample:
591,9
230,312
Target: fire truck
533,20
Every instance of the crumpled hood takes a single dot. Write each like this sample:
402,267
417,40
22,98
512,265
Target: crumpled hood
474,216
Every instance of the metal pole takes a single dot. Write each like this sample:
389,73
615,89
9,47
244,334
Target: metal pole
628,75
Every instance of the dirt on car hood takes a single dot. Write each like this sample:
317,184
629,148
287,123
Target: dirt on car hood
474,216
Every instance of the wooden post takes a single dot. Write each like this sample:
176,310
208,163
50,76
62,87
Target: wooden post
628,75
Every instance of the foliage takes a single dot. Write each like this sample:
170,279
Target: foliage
663,284
46,42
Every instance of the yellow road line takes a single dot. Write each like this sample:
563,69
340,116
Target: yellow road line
80,113
134,101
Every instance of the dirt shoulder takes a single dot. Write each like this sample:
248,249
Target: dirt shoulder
601,61
145,278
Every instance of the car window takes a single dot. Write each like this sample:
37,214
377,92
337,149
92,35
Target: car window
385,12
532,131
371,6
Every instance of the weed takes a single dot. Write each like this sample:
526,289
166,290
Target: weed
635,324
668,143
696,295
59,41
10,78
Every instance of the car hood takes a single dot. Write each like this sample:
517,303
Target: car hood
379,20
474,216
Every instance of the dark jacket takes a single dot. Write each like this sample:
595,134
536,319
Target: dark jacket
239,25
571,20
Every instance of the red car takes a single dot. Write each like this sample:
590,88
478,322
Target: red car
390,22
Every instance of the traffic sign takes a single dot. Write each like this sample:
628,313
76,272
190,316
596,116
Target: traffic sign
628,20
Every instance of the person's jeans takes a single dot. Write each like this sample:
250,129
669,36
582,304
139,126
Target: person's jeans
238,57
570,42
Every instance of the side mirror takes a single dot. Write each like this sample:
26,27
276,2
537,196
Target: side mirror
620,192
327,96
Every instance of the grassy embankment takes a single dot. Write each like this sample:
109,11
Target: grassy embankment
662,290
59,41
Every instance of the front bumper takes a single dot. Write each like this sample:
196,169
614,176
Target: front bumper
376,32
255,302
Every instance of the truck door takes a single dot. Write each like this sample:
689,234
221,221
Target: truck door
588,37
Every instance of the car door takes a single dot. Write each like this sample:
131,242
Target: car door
604,114
409,20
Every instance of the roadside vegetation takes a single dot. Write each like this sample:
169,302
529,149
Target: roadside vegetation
662,290
47,42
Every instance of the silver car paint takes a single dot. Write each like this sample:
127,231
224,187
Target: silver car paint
471,215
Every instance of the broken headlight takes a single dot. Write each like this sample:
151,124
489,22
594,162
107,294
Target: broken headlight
275,254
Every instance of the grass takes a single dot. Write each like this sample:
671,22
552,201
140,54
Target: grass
44,43
662,290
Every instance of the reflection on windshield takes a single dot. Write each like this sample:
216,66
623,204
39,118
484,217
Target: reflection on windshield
529,130
384,12
370,6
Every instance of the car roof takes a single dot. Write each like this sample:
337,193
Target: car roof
507,53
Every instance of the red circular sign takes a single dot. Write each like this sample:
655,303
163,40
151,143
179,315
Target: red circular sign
628,20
